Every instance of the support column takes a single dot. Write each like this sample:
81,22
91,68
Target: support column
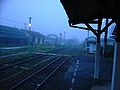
105,39
97,59
116,64
97,55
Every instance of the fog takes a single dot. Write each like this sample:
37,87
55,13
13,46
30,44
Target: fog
48,17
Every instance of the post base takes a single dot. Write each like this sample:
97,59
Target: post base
98,82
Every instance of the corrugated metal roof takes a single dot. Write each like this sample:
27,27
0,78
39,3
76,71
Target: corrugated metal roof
80,11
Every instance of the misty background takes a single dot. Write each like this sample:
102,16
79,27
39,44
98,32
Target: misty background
48,17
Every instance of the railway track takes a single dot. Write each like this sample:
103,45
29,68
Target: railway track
38,78
19,61
18,67
6,83
17,58
33,75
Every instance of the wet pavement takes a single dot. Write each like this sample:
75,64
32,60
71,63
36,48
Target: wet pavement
106,86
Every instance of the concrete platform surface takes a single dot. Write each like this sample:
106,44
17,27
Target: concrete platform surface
102,87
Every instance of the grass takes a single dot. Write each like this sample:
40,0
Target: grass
33,49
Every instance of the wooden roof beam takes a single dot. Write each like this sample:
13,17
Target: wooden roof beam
104,29
90,28
79,27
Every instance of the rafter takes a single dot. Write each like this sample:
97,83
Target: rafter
79,27
91,22
93,30
104,29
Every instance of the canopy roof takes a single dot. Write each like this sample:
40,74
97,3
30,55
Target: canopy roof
80,11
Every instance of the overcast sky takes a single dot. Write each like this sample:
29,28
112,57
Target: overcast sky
48,17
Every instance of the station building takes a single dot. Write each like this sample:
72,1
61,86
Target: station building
90,44
10,36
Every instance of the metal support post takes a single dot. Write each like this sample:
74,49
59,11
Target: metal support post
97,55
116,64
105,39
97,59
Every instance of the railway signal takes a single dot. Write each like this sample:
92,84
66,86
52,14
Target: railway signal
30,19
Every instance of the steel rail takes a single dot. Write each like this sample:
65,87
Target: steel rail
51,73
28,67
20,62
40,85
13,87
17,60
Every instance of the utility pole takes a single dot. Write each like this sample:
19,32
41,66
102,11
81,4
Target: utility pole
64,37
88,34
60,38
25,26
